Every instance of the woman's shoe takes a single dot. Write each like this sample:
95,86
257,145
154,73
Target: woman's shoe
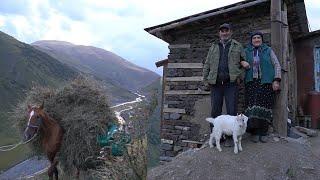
255,138
263,139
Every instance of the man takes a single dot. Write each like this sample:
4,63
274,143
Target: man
222,72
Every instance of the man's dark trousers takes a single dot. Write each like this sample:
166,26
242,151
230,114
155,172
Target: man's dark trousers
229,91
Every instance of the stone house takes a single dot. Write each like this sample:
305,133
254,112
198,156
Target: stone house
185,104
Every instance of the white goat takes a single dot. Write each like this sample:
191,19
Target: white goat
229,125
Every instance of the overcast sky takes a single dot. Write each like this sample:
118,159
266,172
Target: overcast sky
115,25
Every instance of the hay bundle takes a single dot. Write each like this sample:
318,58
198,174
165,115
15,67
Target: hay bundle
82,110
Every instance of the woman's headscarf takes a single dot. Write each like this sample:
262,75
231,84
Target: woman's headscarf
256,33
253,34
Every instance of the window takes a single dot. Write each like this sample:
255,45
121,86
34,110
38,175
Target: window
317,68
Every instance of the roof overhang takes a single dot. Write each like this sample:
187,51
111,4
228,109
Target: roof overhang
161,63
308,35
296,6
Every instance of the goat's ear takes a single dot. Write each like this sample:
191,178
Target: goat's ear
246,118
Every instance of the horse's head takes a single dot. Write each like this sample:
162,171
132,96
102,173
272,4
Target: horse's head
36,116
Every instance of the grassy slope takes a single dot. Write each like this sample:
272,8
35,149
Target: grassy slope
10,137
10,158
21,66
153,90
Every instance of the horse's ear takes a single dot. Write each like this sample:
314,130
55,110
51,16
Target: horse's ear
41,107
29,107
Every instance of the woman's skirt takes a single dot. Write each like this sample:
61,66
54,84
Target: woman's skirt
259,103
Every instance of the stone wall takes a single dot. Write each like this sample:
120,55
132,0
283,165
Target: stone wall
196,40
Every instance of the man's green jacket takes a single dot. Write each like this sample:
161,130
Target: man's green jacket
235,55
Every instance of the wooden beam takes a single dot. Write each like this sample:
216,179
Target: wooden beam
164,74
309,132
192,78
265,31
185,65
194,142
174,46
278,38
174,110
186,92
161,63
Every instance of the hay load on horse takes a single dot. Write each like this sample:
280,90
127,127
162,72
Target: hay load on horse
67,123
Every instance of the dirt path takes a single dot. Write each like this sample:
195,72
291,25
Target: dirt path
315,146
284,159
25,168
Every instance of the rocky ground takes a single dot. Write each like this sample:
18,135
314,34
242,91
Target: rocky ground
278,159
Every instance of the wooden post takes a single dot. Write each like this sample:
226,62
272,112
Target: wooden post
280,40
278,36
164,75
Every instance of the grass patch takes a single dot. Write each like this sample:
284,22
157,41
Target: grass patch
9,136
153,155
11,158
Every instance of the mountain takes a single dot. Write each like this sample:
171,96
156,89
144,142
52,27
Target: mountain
100,63
22,66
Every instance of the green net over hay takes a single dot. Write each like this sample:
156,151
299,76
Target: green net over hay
81,108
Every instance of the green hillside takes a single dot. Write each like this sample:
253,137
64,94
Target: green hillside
153,91
21,67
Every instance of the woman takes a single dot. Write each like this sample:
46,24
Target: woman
262,79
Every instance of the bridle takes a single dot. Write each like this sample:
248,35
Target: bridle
38,123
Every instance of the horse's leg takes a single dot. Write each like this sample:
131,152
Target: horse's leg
77,173
56,173
55,169
53,166
50,170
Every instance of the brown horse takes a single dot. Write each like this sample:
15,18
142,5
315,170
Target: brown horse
51,133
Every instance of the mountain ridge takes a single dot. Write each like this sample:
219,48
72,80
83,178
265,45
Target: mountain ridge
99,62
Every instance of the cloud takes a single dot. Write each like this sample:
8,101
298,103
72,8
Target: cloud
2,21
71,9
313,9
117,26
